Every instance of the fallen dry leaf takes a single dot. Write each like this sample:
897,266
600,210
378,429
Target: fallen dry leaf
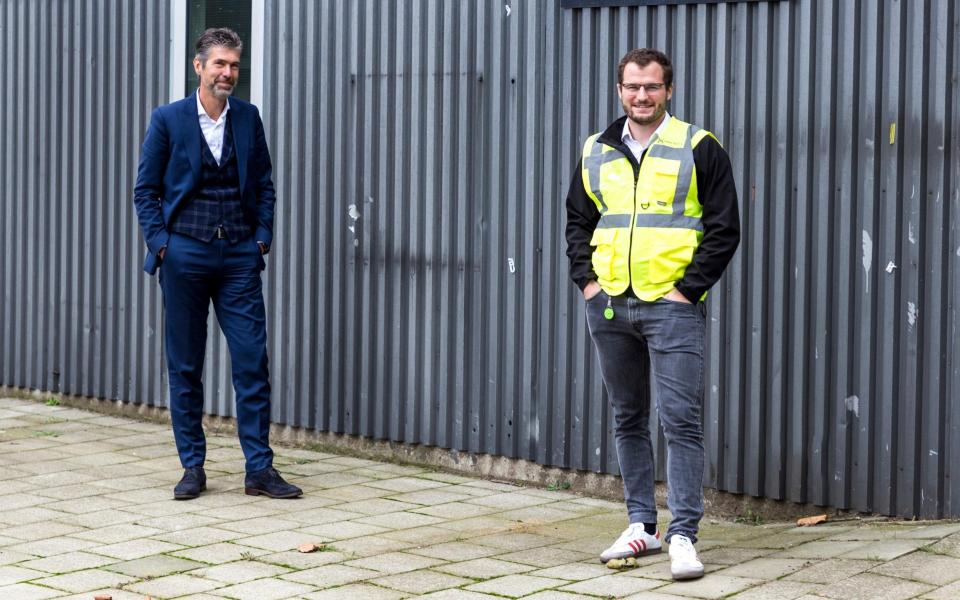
309,547
103,597
807,521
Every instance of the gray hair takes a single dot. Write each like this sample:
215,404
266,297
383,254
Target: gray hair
218,36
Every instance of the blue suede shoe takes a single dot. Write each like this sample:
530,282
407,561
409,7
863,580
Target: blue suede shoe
269,483
193,482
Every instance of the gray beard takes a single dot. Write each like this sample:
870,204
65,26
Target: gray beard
222,94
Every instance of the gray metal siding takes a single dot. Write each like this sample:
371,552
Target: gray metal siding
77,83
438,311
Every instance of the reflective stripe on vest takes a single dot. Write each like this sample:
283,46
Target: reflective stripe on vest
649,226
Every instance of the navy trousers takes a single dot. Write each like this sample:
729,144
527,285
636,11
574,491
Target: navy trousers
192,275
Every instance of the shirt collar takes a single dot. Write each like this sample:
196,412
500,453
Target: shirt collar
626,136
203,113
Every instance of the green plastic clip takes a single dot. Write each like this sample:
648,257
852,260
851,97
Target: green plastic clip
608,311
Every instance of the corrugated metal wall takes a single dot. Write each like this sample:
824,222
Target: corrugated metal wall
418,286
77,83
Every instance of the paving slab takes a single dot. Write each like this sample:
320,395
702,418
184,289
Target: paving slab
13,574
832,571
888,549
779,590
331,575
456,551
766,568
371,545
868,586
278,540
88,508
484,568
268,589
219,553
515,586
68,562
224,532
573,571
174,586
401,520
134,549
84,581
821,549
934,569
357,591
156,565
26,591
459,594
421,582
560,595
547,557
949,546
419,537
712,586
515,541
947,592
612,585
456,510
395,562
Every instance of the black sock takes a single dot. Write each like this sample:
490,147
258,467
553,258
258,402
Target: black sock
650,528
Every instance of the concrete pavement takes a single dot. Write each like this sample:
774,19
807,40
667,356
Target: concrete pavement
86,509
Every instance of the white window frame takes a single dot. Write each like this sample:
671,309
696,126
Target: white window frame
178,44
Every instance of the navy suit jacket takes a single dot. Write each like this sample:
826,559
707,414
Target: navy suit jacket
170,166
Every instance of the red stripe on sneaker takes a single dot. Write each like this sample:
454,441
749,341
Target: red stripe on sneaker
633,546
643,546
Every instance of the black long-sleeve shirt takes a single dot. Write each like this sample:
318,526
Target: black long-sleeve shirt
717,194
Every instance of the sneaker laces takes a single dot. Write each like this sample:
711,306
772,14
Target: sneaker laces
683,544
630,532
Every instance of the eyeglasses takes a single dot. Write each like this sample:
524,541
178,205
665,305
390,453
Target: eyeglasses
649,88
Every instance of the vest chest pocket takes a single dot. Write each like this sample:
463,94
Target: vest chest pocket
662,180
604,239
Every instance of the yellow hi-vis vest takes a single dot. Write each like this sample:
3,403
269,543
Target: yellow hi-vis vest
650,226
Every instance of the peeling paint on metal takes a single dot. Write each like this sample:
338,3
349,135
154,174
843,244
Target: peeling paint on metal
890,267
912,313
866,245
853,404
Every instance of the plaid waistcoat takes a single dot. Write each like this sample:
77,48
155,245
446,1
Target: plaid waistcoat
217,201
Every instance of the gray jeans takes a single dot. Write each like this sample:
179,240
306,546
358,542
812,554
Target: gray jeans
669,337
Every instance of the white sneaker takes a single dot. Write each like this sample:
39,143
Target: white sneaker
684,563
634,541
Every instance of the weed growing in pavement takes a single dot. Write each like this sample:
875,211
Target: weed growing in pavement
749,518
51,401
558,485
931,550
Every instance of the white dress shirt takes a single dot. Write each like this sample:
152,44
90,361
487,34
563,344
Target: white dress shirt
636,147
213,130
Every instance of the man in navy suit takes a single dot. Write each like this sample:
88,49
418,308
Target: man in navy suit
205,199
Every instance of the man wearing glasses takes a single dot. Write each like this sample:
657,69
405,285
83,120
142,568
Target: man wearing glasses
652,221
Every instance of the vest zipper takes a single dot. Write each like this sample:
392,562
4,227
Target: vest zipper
633,216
